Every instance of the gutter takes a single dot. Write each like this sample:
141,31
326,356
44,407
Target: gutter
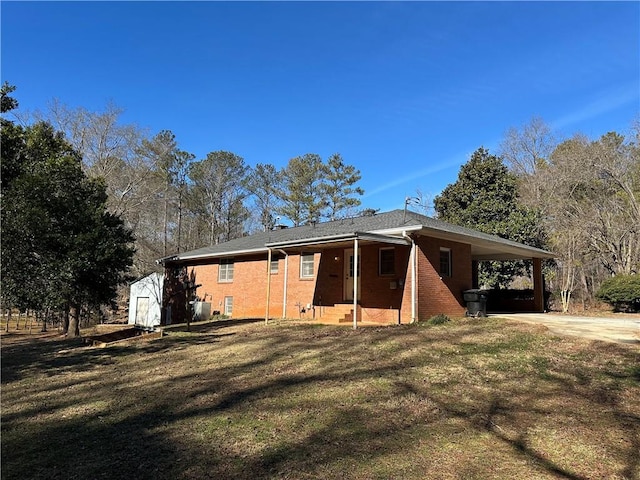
161,261
376,237
312,241
214,255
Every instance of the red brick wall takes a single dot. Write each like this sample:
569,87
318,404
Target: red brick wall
435,294
440,294
249,286
375,289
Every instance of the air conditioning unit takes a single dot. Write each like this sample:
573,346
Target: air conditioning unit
201,310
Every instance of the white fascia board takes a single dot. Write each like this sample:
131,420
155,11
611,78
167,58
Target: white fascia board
223,254
397,231
301,242
376,237
507,246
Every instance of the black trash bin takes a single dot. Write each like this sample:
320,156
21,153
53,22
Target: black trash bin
476,302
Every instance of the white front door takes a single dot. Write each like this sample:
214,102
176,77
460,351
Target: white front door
349,275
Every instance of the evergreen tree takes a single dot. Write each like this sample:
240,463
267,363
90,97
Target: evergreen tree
303,190
263,183
312,190
61,248
484,197
339,181
218,193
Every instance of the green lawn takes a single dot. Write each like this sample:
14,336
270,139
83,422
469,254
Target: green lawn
474,398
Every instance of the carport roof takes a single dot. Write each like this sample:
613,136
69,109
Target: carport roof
385,227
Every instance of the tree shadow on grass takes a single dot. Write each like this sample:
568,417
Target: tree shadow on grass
160,429
54,356
211,325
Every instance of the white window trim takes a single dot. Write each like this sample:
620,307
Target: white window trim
302,263
226,262
274,261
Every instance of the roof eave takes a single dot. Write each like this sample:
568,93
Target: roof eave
230,253
375,237
510,249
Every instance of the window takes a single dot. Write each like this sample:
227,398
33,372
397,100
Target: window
445,262
225,273
228,306
387,263
306,265
273,268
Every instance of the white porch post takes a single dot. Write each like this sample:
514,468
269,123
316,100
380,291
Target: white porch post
355,283
266,315
413,280
284,295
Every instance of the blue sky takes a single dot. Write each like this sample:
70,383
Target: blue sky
405,91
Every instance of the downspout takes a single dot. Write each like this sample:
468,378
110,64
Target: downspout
284,288
355,283
413,276
266,315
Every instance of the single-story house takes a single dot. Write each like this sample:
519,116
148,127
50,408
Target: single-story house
393,267
145,301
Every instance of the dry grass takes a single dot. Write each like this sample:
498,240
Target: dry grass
469,399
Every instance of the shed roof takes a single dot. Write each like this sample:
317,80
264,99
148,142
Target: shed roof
389,225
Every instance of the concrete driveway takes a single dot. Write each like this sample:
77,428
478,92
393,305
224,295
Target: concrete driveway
620,330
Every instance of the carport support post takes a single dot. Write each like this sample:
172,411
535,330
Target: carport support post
538,293
474,273
266,315
355,283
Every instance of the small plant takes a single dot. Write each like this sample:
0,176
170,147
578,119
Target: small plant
622,292
438,319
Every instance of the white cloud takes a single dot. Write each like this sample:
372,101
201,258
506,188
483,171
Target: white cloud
456,160
607,102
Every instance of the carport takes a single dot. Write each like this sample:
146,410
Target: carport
485,248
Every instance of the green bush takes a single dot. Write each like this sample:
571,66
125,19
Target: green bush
438,319
622,292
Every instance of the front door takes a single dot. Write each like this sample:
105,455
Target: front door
349,275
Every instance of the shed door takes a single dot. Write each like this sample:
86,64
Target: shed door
142,310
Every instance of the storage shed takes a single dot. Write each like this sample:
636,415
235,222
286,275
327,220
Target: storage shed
145,301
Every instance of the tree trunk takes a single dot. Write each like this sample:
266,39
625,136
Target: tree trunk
179,219
44,320
74,321
65,321
566,299
165,220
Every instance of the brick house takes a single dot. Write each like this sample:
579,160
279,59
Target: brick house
393,267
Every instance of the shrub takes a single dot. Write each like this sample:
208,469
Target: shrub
622,292
438,319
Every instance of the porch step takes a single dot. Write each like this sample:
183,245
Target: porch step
339,313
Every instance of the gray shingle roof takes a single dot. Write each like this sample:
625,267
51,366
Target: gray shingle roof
395,219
